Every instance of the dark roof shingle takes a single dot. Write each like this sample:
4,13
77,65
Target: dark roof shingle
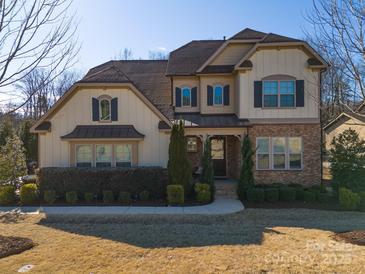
218,69
248,34
46,125
104,131
211,120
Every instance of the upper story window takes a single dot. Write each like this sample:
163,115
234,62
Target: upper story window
186,97
218,95
278,93
104,109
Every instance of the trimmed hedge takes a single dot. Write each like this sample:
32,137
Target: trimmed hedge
175,195
362,201
124,197
71,197
272,194
309,196
144,195
203,196
348,199
28,193
95,180
108,196
49,196
198,187
255,194
89,197
7,195
287,193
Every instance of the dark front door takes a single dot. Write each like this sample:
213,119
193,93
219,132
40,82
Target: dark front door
219,155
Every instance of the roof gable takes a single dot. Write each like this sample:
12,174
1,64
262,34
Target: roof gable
248,34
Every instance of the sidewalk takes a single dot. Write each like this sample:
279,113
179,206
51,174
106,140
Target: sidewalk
219,206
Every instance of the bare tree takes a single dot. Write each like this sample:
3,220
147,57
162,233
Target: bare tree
34,34
338,32
41,94
124,54
158,55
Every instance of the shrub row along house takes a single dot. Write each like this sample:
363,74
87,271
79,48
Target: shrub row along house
261,84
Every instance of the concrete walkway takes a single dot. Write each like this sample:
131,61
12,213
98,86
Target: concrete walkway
219,206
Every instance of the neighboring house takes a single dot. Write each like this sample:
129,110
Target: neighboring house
263,85
346,120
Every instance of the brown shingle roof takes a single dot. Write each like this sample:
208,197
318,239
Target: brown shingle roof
211,120
246,64
248,34
147,75
275,38
187,59
218,69
104,131
46,125
314,62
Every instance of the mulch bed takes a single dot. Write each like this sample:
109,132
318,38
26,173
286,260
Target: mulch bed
14,245
353,237
294,204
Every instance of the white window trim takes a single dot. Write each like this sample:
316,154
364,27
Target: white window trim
222,104
182,97
287,154
278,81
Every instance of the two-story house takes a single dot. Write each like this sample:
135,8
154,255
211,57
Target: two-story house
261,84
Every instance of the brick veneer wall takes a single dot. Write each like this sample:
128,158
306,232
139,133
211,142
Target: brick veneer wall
233,157
311,136
195,157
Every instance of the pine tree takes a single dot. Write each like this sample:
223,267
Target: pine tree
6,131
207,175
29,141
185,165
172,162
12,160
246,177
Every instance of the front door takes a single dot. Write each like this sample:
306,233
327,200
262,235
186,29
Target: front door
219,155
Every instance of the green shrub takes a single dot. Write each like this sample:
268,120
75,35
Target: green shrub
198,187
348,199
71,197
362,201
299,194
323,197
175,194
255,194
278,185
203,196
7,195
287,194
144,195
28,193
95,180
29,179
89,197
49,196
309,196
108,196
124,197
272,194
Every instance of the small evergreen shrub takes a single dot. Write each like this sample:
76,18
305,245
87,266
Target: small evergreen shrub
144,195
29,179
124,197
49,196
323,197
28,193
348,199
299,194
255,194
7,195
203,196
175,194
71,197
362,201
309,196
198,187
287,194
88,197
271,194
108,196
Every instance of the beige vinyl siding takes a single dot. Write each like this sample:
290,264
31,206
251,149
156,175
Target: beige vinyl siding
217,80
231,54
340,127
152,150
268,62
190,82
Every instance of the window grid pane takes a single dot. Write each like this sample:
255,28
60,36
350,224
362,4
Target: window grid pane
279,161
123,155
263,161
286,100
103,155
186,97
270,100
295,161
83,155
218,95
104,109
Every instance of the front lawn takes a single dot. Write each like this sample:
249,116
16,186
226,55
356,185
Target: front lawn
255,240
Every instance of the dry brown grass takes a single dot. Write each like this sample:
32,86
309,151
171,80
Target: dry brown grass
256,240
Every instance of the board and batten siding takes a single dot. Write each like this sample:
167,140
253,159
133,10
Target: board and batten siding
152,150
267,62
231,54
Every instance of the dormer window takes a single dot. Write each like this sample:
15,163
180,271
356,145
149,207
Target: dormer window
186,97
218,95
104,109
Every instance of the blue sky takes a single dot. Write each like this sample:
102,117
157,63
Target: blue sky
106,27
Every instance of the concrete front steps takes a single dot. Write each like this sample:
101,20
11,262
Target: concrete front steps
225,188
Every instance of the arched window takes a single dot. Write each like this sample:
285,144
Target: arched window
218,95
104,109
186,97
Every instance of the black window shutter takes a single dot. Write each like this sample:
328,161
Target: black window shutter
210,96
257,94
178,97
114,109
194,97
299,93
226,95
95,108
